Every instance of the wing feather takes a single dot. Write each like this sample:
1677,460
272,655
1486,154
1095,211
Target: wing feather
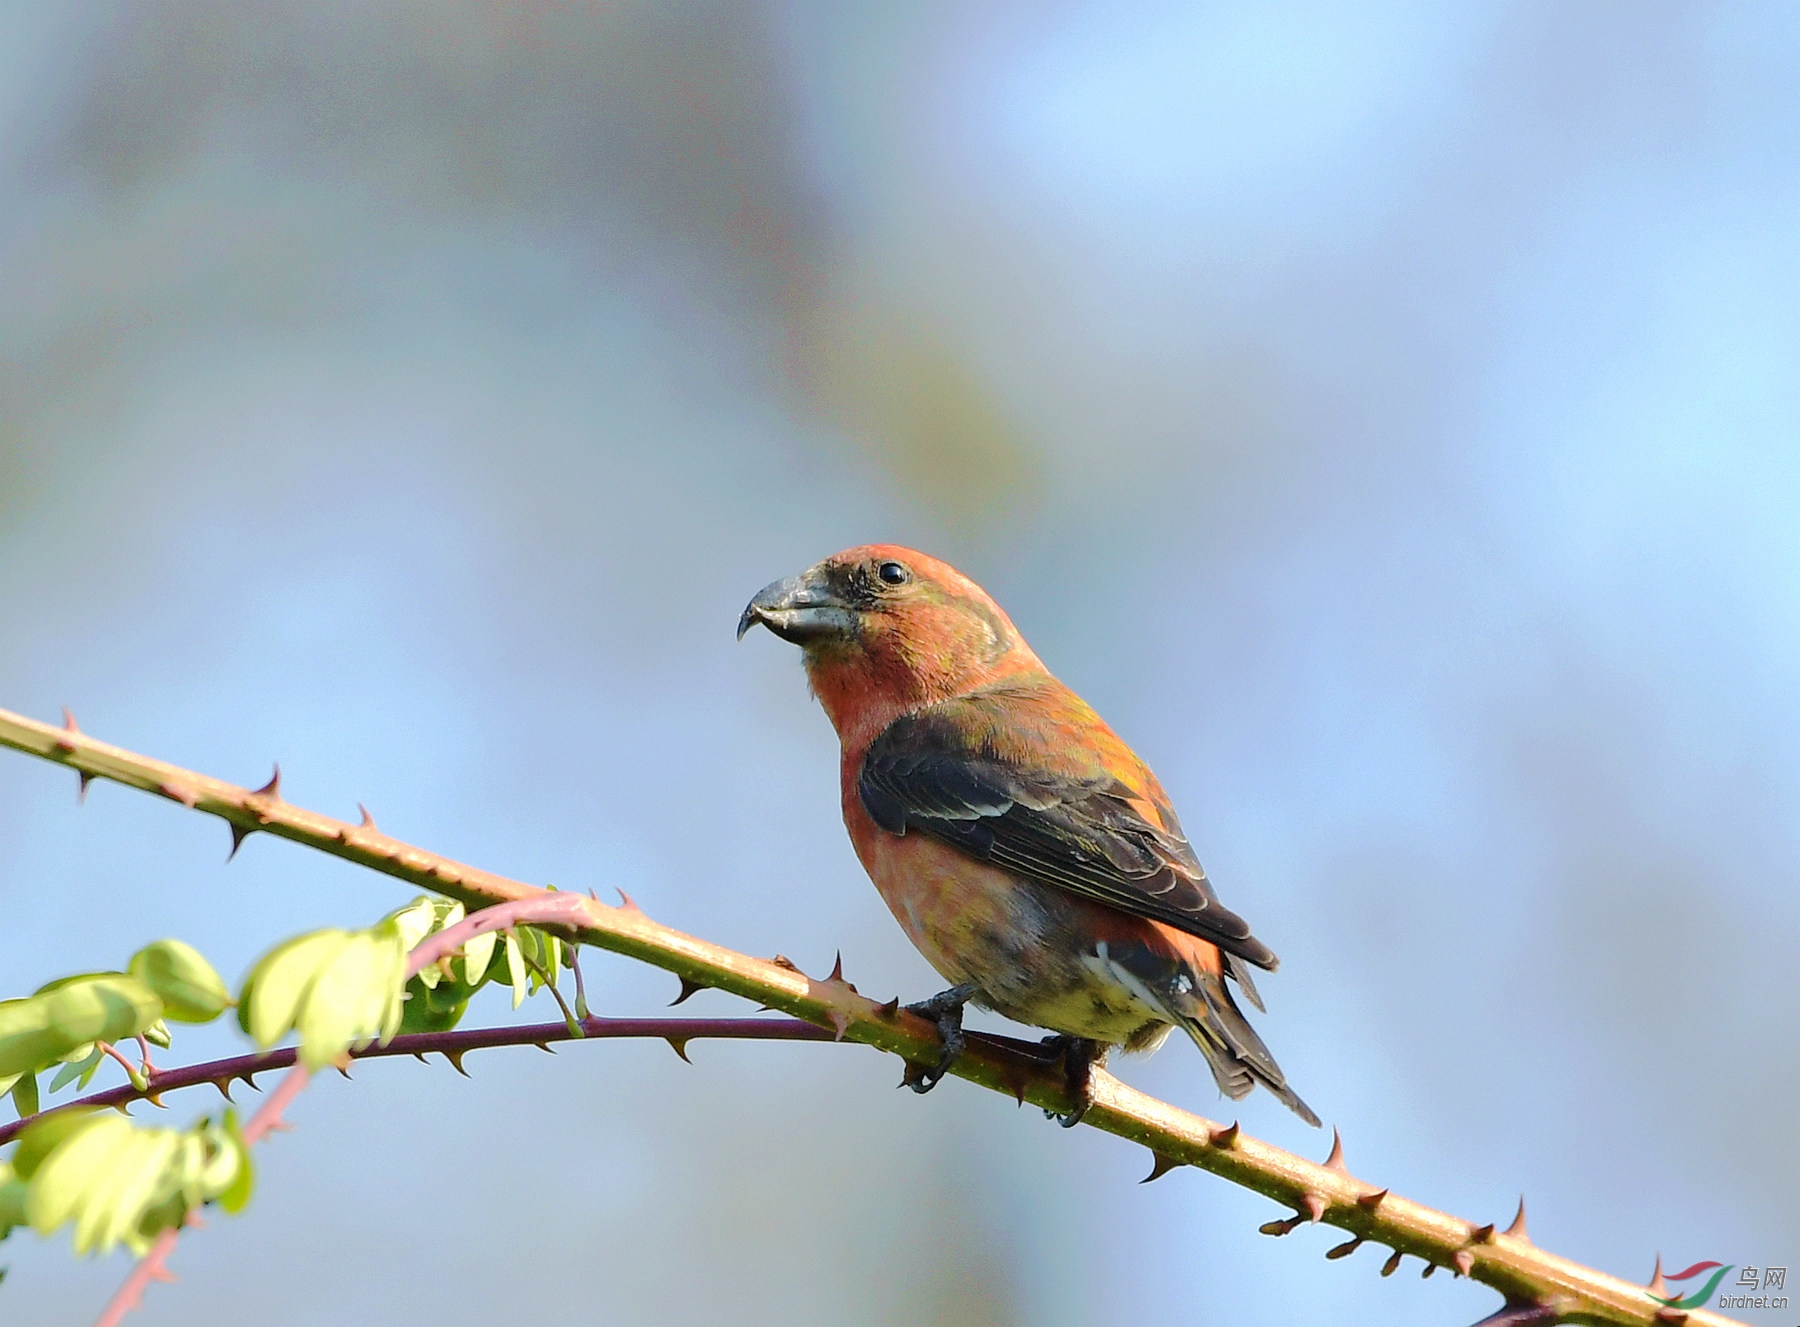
1049,810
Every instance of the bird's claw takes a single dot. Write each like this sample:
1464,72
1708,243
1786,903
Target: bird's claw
945,1009
1079,1056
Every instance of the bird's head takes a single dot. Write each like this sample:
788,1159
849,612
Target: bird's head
886,629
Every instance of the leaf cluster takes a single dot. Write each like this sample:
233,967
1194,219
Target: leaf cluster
115,1182
71,1020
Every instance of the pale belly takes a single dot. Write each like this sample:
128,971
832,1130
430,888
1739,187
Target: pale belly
1032,951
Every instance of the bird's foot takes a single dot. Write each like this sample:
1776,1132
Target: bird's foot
945,1009
1080,1057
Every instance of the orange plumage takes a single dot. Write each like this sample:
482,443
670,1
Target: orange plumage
1024,848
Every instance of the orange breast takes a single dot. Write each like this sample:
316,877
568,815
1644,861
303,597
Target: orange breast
956,911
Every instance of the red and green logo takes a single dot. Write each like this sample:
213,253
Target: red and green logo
1701,1295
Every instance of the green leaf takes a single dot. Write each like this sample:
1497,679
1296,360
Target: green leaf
236,1195
12,1200
42,1029
277,987
42,1137
478,952
138,1175
189,987
80,1162
77,1065
335,987
425,915
515,968
25,1095
93,1063
356,998
434,1008
551,949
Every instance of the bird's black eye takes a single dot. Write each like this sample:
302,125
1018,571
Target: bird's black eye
894,573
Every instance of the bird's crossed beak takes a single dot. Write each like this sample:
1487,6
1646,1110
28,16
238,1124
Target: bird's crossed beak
802,610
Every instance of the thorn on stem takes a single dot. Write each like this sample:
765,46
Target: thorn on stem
271,789
1160,1166
679,1046
1482,1234
837,968
1370,1201
1658,1287
840,1024
368,821
224,1086
627,903
688,988
1464,1262
1517,1228
82,779
892,1008
1315,1206
1226,1137
64,743
1336,1160
783,961
238,834
456,1061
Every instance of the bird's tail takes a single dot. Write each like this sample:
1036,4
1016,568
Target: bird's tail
1233,1051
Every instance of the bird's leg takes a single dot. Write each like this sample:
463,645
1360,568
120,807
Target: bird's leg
1080,1056
945,1009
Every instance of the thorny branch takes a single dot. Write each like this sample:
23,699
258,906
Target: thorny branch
1538,1286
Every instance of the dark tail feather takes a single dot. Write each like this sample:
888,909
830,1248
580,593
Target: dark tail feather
1233,1051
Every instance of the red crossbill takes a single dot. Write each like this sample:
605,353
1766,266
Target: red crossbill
1027,852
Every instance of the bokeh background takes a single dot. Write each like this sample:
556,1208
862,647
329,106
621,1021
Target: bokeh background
1385,415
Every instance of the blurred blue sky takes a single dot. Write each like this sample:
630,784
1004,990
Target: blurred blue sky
1386,416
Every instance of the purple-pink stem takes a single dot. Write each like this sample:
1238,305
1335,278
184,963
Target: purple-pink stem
149,1268
553,909
452,1045
113,1051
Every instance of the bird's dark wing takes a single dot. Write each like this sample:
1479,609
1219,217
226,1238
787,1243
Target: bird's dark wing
1033,782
